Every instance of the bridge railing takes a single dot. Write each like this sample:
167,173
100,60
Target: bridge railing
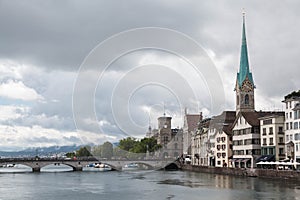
91,158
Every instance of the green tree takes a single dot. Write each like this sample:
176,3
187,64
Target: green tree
84,152
70,154
127,144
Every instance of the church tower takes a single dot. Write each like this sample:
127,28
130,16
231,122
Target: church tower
244,86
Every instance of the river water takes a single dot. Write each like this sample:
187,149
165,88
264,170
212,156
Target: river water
56,183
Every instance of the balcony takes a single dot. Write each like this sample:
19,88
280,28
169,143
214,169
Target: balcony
280,133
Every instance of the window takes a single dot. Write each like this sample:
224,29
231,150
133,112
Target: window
237,100
281,140
271,151
286,105
287,126
267,121
297,136
281,151
264,141
280,129
271,131
176,146
287,138
296,114
287,115
265,151
246,99
291,125
295,125
291,115
223,147
271,141
264,131
223,155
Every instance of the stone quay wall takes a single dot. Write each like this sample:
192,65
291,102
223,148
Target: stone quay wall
265,173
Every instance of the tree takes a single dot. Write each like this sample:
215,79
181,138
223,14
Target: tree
132,145
107,150
70,154
97,150
84,152
127,144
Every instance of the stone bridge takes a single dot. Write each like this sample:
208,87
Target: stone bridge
77,164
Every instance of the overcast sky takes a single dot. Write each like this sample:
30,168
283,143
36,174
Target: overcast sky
46,47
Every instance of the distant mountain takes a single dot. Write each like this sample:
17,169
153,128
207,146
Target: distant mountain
40,151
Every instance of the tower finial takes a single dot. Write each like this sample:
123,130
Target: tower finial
164,110
243,12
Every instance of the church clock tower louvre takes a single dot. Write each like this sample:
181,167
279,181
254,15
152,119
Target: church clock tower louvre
244,86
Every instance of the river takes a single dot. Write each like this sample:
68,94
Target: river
56,183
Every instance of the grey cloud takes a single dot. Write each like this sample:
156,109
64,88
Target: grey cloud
56,36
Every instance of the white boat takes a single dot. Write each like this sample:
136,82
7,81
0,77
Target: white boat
102,167
131,166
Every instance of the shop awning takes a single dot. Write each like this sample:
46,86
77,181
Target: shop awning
266,158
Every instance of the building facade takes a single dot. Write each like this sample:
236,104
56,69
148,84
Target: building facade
199,144
171,139
292,125
190,125
272,135
223,138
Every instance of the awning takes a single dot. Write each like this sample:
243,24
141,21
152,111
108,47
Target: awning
265,158
246,160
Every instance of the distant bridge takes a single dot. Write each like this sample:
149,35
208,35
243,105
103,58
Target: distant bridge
77,164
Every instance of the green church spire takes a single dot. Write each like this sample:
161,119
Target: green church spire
244,63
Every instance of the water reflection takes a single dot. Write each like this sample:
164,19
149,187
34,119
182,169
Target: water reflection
239,187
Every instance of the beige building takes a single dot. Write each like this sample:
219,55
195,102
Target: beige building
199,144
223,138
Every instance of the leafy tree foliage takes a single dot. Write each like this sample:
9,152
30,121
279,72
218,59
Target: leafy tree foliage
70,154
84,152
127,144
134,146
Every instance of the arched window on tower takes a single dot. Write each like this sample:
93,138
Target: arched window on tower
246,99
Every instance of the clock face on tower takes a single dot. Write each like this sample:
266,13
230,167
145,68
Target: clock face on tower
247,86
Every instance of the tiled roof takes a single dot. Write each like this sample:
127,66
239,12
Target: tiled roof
253,117
224,121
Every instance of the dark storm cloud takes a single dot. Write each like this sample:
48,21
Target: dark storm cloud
61,33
